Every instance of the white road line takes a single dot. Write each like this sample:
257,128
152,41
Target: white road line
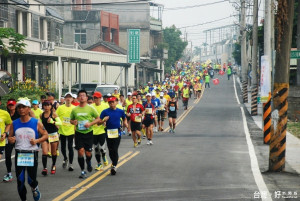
4,159
262,187
237,98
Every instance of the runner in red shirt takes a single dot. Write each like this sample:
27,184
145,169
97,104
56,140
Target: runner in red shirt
135,112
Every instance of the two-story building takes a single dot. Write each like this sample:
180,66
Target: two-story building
40,25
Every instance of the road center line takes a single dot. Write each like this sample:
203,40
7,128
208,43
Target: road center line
72,189
82,190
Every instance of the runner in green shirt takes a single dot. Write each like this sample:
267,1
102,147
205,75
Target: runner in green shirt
84,117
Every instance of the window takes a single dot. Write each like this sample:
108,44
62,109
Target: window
42,37
12,20
35,26
80,36
4,12
24,16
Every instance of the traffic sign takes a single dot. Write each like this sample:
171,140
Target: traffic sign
295,54
133,51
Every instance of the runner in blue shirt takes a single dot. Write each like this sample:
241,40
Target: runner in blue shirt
112,117
156,102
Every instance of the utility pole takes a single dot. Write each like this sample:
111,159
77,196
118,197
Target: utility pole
284,20
254,89
268,53
298,43
243,52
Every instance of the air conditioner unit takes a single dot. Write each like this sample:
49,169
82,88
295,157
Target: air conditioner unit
51,46
76,45
44,45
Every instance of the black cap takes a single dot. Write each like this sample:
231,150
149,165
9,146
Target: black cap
50,94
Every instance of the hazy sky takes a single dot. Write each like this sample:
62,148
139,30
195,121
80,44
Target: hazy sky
197,14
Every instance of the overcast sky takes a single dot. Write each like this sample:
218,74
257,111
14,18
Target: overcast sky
198,14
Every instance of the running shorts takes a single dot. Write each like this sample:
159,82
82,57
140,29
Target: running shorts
135,126
84,141
160,115
172,115
148,122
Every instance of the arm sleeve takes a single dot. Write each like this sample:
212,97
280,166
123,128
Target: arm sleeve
58,121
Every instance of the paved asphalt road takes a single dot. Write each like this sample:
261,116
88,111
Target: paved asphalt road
206,159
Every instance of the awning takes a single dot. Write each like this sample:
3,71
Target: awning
149,66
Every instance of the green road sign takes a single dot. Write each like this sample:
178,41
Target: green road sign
295,54
133,51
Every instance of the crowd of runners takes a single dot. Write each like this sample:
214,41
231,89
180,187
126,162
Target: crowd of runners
94,124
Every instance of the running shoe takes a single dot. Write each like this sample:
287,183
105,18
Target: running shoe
144,136
113,170
36,194
139,141
53,169
45,172
155,130
89,167
7,178
170,131
99,167
83,175
129,133
135,144
71,167
173,131
105,161
65,162
150,142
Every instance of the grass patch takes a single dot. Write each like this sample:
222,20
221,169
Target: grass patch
294,128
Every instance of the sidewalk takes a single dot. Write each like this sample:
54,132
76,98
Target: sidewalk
292,142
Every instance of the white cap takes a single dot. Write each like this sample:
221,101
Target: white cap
161,93
184,84
116,89
153,94
23,102
148,94
129,94
69,93
74,95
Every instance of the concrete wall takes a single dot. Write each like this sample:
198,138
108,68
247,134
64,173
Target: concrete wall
92,33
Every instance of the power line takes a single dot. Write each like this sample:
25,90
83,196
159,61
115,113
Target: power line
205,23
194,6
68,4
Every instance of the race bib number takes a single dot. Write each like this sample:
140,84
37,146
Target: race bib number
53,137
112,133
81,125
172,108
25,159
66,121
148,110
138,119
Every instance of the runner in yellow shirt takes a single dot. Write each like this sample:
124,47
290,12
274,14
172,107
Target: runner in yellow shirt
66,130
5,123
116,93
128,102
36,110
99,133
